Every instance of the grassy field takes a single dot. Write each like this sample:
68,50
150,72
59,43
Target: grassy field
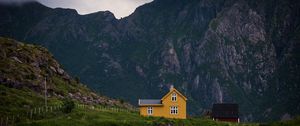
294,122
89,117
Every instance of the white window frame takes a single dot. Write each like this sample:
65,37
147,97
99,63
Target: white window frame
149,110
173,97
173,110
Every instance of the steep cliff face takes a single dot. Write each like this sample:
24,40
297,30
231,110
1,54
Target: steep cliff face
213,51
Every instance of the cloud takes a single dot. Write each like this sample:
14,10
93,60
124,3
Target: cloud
14,1
120,8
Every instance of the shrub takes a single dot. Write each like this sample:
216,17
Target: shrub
68,106
122,101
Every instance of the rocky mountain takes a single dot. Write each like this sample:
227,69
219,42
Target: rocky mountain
25,69
243,51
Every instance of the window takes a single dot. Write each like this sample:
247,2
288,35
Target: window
174,98
149,110
174,110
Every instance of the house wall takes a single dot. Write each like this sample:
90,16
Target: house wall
156,111
164,111
180,103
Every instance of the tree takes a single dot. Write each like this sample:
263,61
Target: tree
77,79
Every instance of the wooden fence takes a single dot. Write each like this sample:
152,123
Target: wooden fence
37,112
28,115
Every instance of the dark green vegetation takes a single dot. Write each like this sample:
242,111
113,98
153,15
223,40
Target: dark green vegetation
294,122
68,106
241,51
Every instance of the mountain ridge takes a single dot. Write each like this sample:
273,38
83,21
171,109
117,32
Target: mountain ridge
213,51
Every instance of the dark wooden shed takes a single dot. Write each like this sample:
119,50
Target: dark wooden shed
225,112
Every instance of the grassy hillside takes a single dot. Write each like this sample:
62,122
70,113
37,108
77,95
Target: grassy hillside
294,122
25,70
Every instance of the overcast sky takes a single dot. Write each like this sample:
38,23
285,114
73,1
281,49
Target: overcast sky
120,8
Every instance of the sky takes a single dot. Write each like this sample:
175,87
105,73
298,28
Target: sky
120,8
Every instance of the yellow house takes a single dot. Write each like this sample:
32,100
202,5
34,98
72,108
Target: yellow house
172,105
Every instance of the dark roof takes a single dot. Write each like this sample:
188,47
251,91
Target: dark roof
150,102
225,110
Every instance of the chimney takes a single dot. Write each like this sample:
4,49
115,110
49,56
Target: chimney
171,87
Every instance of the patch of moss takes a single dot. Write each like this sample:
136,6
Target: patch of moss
214,24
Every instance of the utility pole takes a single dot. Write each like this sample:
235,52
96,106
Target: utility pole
45,82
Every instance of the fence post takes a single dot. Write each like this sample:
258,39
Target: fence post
13,120
39,110
31,114
18,117
6,121
51,108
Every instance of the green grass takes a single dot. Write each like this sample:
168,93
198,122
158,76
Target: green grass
88,117
294,122
18,101
80,117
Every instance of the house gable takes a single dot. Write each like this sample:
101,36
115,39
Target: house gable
179,104
173,90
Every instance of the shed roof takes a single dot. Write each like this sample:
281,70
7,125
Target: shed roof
225,110
150,102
